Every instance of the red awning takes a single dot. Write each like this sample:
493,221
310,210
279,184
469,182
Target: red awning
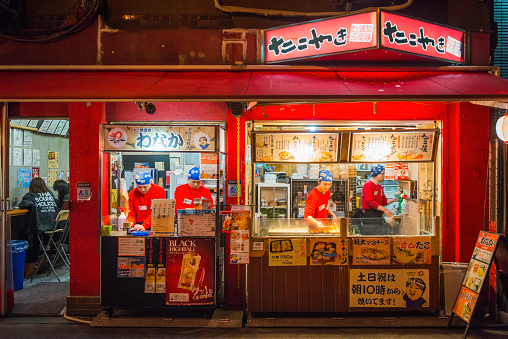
263,85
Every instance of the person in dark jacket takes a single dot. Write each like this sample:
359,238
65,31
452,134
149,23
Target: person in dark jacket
62,187
43,210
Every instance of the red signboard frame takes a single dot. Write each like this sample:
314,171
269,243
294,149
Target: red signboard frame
415,31
328,38
361,32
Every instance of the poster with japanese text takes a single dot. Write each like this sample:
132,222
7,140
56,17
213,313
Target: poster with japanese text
52,159
35,172
159,138
190,271
287,252
485,246
24,177
393,146
329,251
239,247
27,139
209,163
36,157
389,288
297,147
196,223
411,250
465,303
131,267
371,251
27,157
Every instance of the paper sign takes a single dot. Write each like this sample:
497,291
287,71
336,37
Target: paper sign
159,165
485,246
411,250
389,288
163,216
132,246
24,177
84,191
209,163
52,159
239,247
35,172
371,251
287,252
200,223
36,157
329,251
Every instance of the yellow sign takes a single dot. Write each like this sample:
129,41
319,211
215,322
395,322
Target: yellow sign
159,138
371,251
52,159
329,251
389,288
299,147
287,252
411,250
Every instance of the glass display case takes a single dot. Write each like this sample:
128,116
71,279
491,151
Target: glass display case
273,200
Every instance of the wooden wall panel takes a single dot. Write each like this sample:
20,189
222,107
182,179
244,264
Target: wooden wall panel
279,289
266,286
303,289
254,283
291,289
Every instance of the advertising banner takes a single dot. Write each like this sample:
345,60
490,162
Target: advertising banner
296,147
240,247
393,146
329,251
287,252
411,250
190,269
389,288
159,138
371,251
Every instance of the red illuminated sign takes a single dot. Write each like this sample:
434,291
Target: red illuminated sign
321,37
418,37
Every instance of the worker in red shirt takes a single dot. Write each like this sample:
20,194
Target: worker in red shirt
185,194
140,201
317,208
373,203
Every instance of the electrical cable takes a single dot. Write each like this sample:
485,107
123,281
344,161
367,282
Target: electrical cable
75,319
62,31
269,12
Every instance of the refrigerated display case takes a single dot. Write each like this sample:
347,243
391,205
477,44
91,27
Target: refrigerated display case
273,200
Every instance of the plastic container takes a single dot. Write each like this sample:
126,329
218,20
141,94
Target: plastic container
17,249
453,275
404,207
121,219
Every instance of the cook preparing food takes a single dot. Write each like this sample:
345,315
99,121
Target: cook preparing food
317,208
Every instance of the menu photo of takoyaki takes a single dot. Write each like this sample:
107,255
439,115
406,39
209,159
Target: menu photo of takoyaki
285,155
278,246
324,253
374,253
406,255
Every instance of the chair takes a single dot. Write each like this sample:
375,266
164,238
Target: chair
61,228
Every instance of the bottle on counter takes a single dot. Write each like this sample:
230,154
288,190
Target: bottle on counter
121,219
404,208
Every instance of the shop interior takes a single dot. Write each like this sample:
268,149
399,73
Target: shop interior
278,189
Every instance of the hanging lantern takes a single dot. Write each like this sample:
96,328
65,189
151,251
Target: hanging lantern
502,128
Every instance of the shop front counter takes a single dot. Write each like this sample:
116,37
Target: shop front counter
157,272
294,268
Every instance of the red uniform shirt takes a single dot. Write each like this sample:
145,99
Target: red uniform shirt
316,205
140,205
373,196
185,195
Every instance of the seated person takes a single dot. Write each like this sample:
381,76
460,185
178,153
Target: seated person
317,206
140,201
41,218
62,187
186,193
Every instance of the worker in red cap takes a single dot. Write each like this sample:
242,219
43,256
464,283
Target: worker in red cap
317,208
140,201
185,194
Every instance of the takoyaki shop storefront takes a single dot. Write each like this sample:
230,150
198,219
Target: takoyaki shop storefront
284,125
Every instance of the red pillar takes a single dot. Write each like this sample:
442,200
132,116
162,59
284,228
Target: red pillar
85,145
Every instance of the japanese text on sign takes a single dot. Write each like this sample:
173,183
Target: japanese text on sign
389,288
287,252
321,37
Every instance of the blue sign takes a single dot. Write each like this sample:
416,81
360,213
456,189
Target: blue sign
24,177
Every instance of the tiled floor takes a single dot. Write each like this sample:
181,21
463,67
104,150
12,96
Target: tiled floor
42,276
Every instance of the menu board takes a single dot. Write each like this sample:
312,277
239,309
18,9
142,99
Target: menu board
296,147
159,138
393,146
389,288
329,251
196,223
163,216
287,252
371,251
411,250
480,262
239,247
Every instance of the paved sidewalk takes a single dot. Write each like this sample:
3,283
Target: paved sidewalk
59,327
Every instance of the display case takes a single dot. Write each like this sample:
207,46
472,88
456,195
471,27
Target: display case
273,200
